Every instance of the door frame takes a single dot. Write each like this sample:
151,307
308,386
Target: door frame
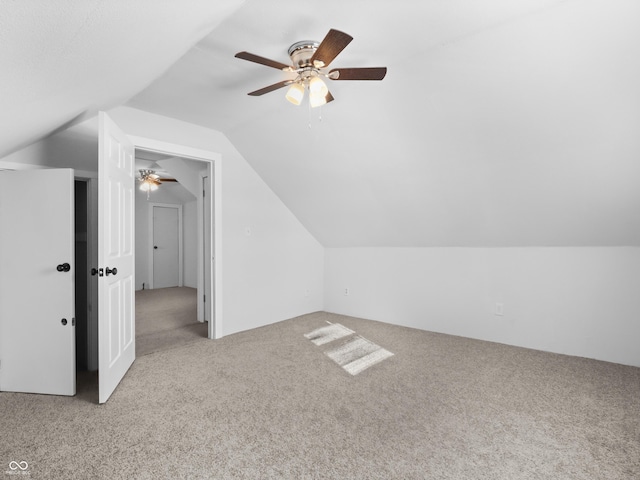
214,264
91,181
151,257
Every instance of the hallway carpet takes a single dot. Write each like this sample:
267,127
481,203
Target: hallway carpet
166,318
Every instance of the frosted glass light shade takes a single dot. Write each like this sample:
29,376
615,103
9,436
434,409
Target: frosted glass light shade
317,99
148,186
295,93
317,86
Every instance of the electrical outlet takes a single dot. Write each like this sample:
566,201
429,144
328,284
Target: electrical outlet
346,292
499,309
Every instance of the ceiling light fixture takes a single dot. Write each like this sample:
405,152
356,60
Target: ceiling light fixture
308,80
317,87
317,92
295,93
149,181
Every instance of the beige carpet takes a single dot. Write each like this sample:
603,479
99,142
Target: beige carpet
166,318
268,403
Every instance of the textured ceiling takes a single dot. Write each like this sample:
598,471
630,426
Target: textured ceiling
499,123
61,61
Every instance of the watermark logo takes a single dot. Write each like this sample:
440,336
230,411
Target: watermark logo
18,468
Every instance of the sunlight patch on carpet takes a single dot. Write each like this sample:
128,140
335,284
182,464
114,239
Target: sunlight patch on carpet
327,334
357,355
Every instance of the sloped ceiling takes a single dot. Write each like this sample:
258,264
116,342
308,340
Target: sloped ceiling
61,61
499,123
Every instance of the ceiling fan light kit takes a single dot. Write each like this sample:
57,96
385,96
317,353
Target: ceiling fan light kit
150,181
148,186
295,93
309,59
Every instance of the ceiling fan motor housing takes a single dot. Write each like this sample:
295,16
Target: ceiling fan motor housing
301,53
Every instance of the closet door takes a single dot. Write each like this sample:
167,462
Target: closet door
37,282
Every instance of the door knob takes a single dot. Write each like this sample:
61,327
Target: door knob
63,267
155,247
111,271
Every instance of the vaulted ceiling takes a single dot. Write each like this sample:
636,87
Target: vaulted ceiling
499,123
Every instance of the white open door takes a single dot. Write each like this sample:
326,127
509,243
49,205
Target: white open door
37,305
116,296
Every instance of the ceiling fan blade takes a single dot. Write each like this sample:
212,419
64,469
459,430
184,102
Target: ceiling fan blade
168,180
375,73
270,88
262,61
330,47
328,97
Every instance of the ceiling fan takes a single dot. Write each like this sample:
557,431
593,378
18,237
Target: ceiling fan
310,60
150,180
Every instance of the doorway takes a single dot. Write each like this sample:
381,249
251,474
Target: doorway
206,186
166,263
173,277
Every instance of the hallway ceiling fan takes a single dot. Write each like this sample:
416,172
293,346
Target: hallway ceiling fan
150,180
310,60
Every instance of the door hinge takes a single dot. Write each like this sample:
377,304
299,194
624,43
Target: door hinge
204,298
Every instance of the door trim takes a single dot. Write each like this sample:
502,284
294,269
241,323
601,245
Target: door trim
150,263
215,264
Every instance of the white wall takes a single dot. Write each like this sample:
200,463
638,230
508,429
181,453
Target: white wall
576,301
573,300
272,274
68,149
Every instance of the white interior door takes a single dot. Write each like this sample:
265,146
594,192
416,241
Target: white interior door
116,301
166,247
37,310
